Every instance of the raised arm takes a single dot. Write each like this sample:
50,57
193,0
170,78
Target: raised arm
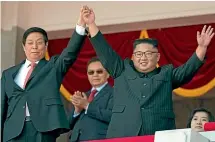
108,57
70,53
186,72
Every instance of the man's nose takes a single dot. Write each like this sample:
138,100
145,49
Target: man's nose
95,74
35,46
143,57
199,122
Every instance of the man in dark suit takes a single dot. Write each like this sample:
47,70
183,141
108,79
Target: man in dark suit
143,92
31,106
91,114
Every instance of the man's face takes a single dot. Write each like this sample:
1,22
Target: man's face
96,73
145,57
198,121
35,47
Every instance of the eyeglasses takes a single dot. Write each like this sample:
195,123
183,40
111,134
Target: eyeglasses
148,54
91,72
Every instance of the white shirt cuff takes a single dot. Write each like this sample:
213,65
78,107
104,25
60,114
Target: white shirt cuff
80,30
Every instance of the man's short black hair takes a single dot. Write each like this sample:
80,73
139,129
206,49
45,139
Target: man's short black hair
33,30
210,115
92,60
151,41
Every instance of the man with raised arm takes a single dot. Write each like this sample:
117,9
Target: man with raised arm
143,92
31,106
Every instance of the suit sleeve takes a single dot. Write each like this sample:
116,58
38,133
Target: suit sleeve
108,57
4,105
70,53
73,120
100,113
184,73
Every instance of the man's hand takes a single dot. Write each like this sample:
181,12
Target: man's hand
204,40
81,21
77,109
88,15
205,37
89,19
80,101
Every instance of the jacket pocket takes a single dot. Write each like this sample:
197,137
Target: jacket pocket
53,101
118,109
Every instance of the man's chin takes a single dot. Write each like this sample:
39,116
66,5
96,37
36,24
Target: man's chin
97,85
143,69
36,58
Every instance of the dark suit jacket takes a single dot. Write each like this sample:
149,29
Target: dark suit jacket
94,124
41,93
142,104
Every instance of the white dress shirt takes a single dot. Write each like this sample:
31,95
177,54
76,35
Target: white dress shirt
20,78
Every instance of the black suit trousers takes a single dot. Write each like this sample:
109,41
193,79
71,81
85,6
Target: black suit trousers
30,134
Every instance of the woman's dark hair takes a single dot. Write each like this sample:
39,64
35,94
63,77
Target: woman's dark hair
210,116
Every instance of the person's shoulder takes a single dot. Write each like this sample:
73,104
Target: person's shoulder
127,62
108,87
53,58
9,69
167,67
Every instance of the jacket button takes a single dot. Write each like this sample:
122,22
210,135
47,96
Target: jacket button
143,96
144,84
23,107
142,108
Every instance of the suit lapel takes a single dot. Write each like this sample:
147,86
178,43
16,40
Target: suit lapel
37,68
14,72
98,96
133,81
101,93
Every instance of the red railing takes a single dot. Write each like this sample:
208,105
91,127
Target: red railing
128,139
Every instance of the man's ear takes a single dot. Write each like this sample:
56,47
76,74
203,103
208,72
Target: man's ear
108,75
23,46
47,44
158,56
132,57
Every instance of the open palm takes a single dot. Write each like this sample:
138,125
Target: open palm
205,37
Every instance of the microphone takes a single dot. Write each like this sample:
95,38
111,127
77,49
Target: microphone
209,126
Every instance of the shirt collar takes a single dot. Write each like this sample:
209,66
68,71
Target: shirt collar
149,74
100,87
27,63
